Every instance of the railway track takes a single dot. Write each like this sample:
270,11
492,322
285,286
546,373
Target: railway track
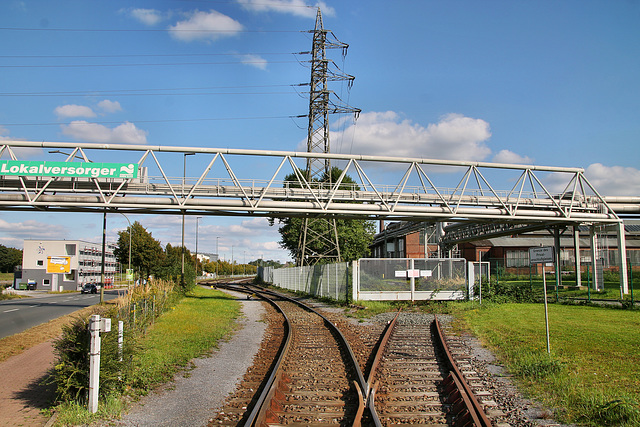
316,380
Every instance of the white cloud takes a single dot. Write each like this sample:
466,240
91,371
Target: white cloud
208,26
73,110
507,156
14,233
94,132
454,137
254,61
614,180
146,16
293,7
4,132
109,106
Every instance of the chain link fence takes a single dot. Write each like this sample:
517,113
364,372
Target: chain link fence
327,280
411,279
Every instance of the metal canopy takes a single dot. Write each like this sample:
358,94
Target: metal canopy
414,196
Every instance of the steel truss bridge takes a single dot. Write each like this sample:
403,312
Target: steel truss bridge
485,192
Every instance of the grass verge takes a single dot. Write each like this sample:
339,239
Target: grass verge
193,328
190,329
593,373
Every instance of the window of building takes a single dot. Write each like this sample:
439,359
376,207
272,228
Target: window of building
517,258
46,282
71,249
40,263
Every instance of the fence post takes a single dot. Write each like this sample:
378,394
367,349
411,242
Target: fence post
120,338
631,282
355,281
96,325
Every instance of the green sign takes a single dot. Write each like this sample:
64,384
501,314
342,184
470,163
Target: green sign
68,169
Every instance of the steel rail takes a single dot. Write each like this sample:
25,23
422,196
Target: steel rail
256,417
370,398
470,410
261,412
258,412
471,404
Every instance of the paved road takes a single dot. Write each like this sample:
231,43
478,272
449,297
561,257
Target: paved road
17,315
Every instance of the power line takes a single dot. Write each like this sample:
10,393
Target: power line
146,55
145,91
146,30
77,123
142,94
244,62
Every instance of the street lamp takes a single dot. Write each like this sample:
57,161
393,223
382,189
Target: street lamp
184,175
130,233
217,256
197,218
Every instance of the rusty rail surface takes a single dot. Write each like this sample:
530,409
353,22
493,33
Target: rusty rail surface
468,411
464,409
264,412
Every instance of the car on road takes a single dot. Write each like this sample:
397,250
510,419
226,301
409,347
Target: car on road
89,288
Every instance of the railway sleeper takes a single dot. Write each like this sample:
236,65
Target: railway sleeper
416,396
422,419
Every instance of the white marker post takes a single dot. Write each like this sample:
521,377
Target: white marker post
96,325
542,255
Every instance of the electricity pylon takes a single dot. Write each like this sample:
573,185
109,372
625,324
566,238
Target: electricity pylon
319,237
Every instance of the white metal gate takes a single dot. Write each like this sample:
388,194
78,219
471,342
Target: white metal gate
410,279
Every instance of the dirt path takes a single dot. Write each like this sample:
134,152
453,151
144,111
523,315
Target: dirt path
22,395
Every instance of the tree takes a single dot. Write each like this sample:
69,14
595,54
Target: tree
9,259
354,235
170,267
146,252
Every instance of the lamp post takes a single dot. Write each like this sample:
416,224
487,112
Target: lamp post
184,175
130,233
231,260
197,219
217,256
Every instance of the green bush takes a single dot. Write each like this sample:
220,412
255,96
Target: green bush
138,309
505,291
71,372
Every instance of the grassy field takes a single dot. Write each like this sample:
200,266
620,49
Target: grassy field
593,373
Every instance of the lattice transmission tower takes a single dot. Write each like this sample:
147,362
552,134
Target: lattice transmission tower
319,235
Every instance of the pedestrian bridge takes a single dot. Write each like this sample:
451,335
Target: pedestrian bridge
220,186
145,179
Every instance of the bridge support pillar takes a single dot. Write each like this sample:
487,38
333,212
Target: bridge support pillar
595,271
622,259
576,249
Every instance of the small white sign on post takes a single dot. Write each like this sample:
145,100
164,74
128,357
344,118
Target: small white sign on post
97,324
543,255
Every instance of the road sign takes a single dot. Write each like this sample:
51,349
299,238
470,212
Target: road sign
541,255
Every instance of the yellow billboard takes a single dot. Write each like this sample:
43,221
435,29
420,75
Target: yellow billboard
58,264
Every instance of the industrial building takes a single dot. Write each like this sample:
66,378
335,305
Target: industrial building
507,251
58,265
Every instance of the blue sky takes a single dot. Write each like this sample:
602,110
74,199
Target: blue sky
546,82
